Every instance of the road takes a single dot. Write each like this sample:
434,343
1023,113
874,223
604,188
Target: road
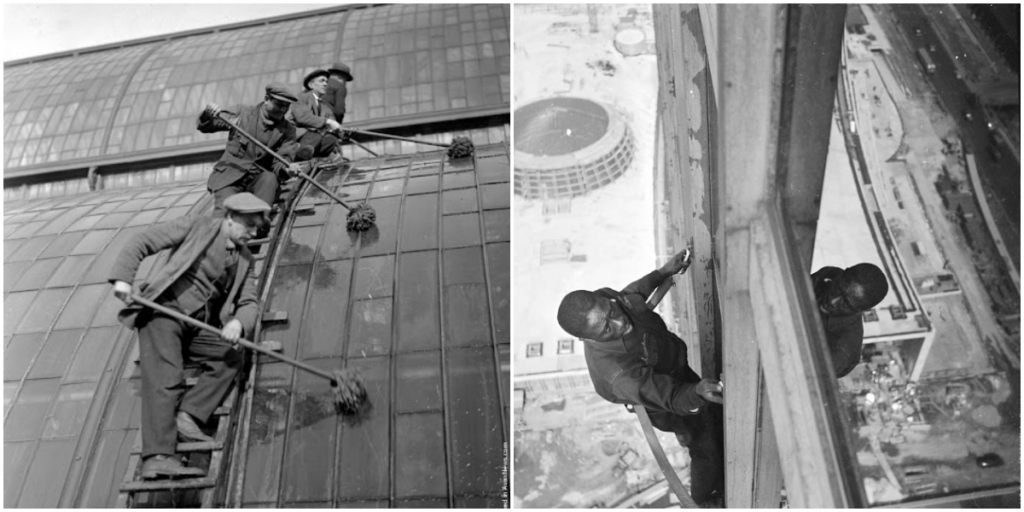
1002,176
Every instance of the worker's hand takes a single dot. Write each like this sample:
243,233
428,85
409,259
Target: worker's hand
212,109
232,332
711,390
333,125
123,291
678,264
293,169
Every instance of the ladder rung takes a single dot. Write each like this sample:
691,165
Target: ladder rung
168,484
275,316
205,446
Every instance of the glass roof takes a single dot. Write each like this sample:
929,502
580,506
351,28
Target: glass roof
420,305
406,60
61,333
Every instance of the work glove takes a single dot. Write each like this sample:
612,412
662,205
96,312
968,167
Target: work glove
123,291
211,110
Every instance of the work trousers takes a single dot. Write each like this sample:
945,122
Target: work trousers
262,184
322,145
163,344
701,434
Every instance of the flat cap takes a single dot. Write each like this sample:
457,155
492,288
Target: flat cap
342,69
246,203
280,91
315,73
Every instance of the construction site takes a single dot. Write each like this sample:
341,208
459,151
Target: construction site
916,176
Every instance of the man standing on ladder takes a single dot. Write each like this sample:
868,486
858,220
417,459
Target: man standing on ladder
244,167
634,359
208,276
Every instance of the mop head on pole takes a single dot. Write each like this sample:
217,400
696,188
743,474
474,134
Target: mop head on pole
350,393
461,147
361,217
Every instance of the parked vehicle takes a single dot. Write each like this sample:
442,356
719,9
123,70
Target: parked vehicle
989,460
926,60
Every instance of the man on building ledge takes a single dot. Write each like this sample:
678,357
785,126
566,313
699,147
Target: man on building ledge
314,120
634,359
244,167
842,297
207,276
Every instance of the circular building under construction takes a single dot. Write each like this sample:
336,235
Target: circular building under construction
567,146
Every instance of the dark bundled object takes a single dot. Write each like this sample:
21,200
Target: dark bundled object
461,147
361,217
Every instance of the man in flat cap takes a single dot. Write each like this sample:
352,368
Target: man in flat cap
337,89
842,297
633,359
244,167
313,119
205,272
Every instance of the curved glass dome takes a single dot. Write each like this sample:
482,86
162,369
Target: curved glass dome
407,60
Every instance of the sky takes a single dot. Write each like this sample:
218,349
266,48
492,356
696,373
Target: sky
42,28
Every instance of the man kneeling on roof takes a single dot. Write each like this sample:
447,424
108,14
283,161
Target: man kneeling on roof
245,167
634,359
314,119
207,276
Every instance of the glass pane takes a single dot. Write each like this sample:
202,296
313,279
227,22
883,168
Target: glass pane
493,169
497,225
62,245
301,245
70,271
463,266
289,294
466,318
53,459
370,332
68,416
94,241
37,274
313,427
476,430
496,195
498,261
15,307
338,241
461,230
53,360
418,302
92,358
418,381
13,272
374,277
19,353
31,249
420,449
368,441
82,306
381,239
17,458
460,201
419,226
44,310
25,421
99,489
327,311
266,436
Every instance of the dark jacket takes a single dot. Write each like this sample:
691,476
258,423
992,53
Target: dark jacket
185,241
844,334
241,155
334,98
308,114
648,366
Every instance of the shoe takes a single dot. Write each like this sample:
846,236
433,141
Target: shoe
188,431
158,466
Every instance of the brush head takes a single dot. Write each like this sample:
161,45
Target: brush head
350,393
461,147
361,217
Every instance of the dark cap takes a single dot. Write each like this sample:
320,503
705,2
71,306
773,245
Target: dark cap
342,69
280,91
314,74
246,203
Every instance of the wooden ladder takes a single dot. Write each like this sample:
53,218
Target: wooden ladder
207,485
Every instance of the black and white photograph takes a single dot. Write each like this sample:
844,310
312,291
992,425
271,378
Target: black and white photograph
766,256
257,255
